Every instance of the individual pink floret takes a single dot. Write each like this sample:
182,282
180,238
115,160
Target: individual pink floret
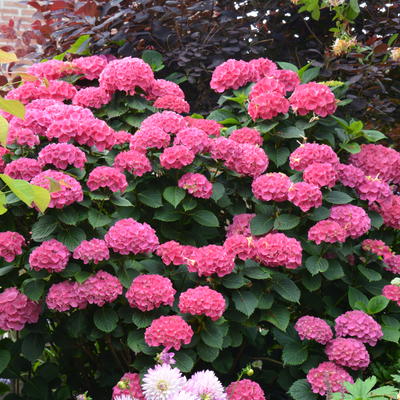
266,85
289,79
260,68
377,247
374,189
11,245
389,209
168,331
148,292
168,121
209,126
52,69
22,137
202,301
313,328
61,155
305,196
91,66
197,185
171,252
161,87
273,186
240,246
392,292
149,137
94,250
51,255
348,353
107,177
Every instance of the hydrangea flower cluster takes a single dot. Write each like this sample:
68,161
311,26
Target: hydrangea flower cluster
196,184
51,256
61,155
107,177
312,328
11,245
129,385
94,250
23,168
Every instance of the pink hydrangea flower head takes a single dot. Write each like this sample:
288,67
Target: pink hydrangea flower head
277,249
168,121
23,168
312,328
173,103
273,186
150,137
305,196
168,331
350,176
65,295
310,153
61,155
260,68
374,189
194,139
91,66
209,126
268,105
177,156
95,250
122,137
267,85
132,161
59,90
392,292
70,192
248,159
126,75
205,385
202,301
27,92
327,231
128,236
240,225
148,292
93,97
51,69
378,161
245,389
392,262
161,87
101,288
222,148
359,325
211,259
22,137
95,132
240,246
247,135
129,385
313,97
354,220
348,353
16,310
320,174
289,79
232,74
197,185
171,252
377,247
107,177
390,211
328,377
11,245
51,255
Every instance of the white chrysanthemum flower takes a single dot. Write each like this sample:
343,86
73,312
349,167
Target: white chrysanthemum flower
162,382
205,386
183,395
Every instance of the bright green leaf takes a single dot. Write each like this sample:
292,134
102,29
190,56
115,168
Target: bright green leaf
13,107
174,195
245,301
285,222
377,304
3,131
206,218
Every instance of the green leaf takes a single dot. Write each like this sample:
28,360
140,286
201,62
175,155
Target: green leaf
41,197
352,147
138,103
120,201
355,296
7,57
98,219
2,203
335,271
320,213
167,214
34,289
286,65
234,281
33,346
285,222
207,353
315,264
184,362
13,107
278,155
260,225
20,188
3,131
310,74
174,195
257,272
105,319
206,218
376,219
72,238
353,10
301,390
373,136
213,335
151,198
294,354
377,304
265,127
312,283
391,334
135,341
336,197
218,191
286,288
81,276
370,274
44,227
245,301
5,358
142,319
69,216
290,132
278,316
154,59
80,46
6,270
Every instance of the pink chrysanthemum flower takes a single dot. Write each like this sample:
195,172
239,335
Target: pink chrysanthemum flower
328,377
273,186
61,155
232,74
196,184
247,135
348,353
354,220
148,292
129,236
310,153
277,249
359,325
129,385
305,196
11,245
245,389
202,301
94,250
327,231
320,174
51,255
133,161
65,295
177,156
312,328
107,177
23,168
168,331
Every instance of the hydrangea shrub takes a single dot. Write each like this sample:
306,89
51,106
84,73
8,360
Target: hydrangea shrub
266,231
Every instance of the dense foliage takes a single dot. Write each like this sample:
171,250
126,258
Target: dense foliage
266,211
